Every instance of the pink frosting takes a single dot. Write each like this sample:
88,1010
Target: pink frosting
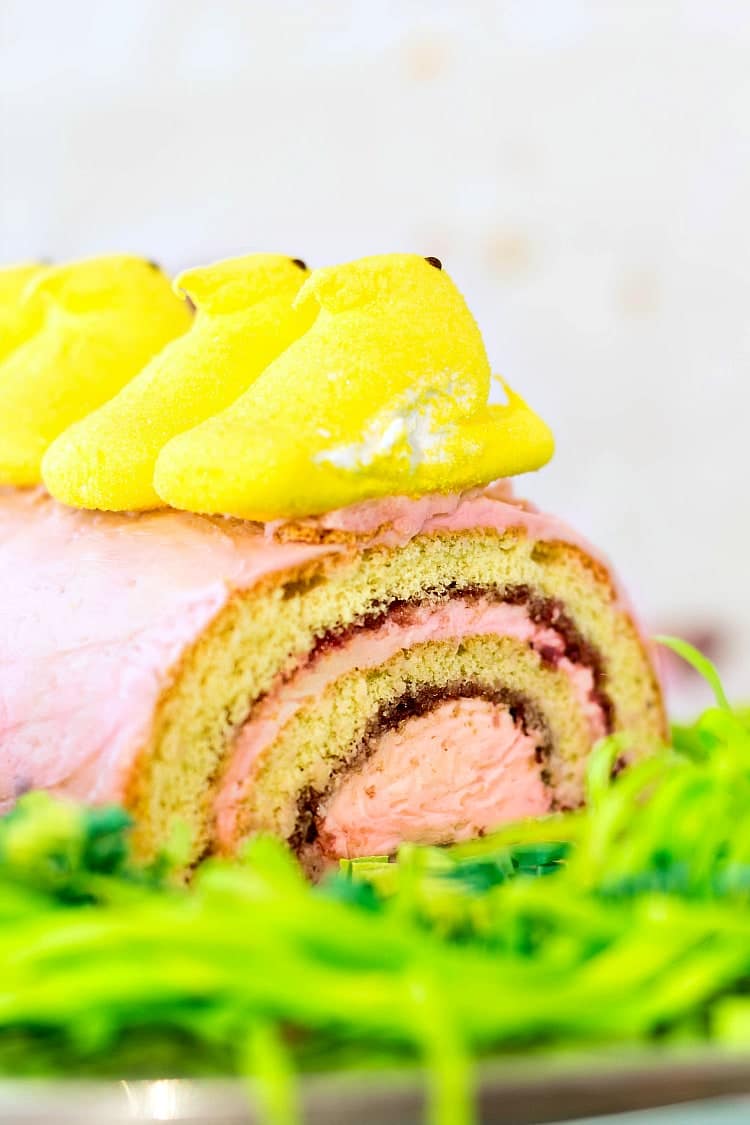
416,788
395,520
97,609
369,648
392,522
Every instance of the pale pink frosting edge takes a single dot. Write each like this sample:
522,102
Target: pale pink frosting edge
395,520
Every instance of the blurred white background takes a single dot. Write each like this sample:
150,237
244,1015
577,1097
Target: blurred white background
582,167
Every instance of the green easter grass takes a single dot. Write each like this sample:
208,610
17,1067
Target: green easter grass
628,922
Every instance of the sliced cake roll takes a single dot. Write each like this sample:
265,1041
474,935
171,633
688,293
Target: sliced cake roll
293,646
416,670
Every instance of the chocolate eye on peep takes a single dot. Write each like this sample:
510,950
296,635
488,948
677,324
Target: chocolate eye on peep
434,262
298,262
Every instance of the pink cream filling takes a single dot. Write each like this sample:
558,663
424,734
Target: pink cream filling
416,788
368,648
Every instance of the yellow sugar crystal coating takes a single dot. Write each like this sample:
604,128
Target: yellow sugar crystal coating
386,393
96,323
16,316
245,318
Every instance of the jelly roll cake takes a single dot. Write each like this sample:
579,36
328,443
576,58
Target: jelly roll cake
301,606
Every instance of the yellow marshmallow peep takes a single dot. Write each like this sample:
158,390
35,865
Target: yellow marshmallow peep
16,317
97,322
245,318
387,393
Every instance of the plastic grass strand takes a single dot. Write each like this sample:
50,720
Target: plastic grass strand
449,1068
705,667
273,1078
